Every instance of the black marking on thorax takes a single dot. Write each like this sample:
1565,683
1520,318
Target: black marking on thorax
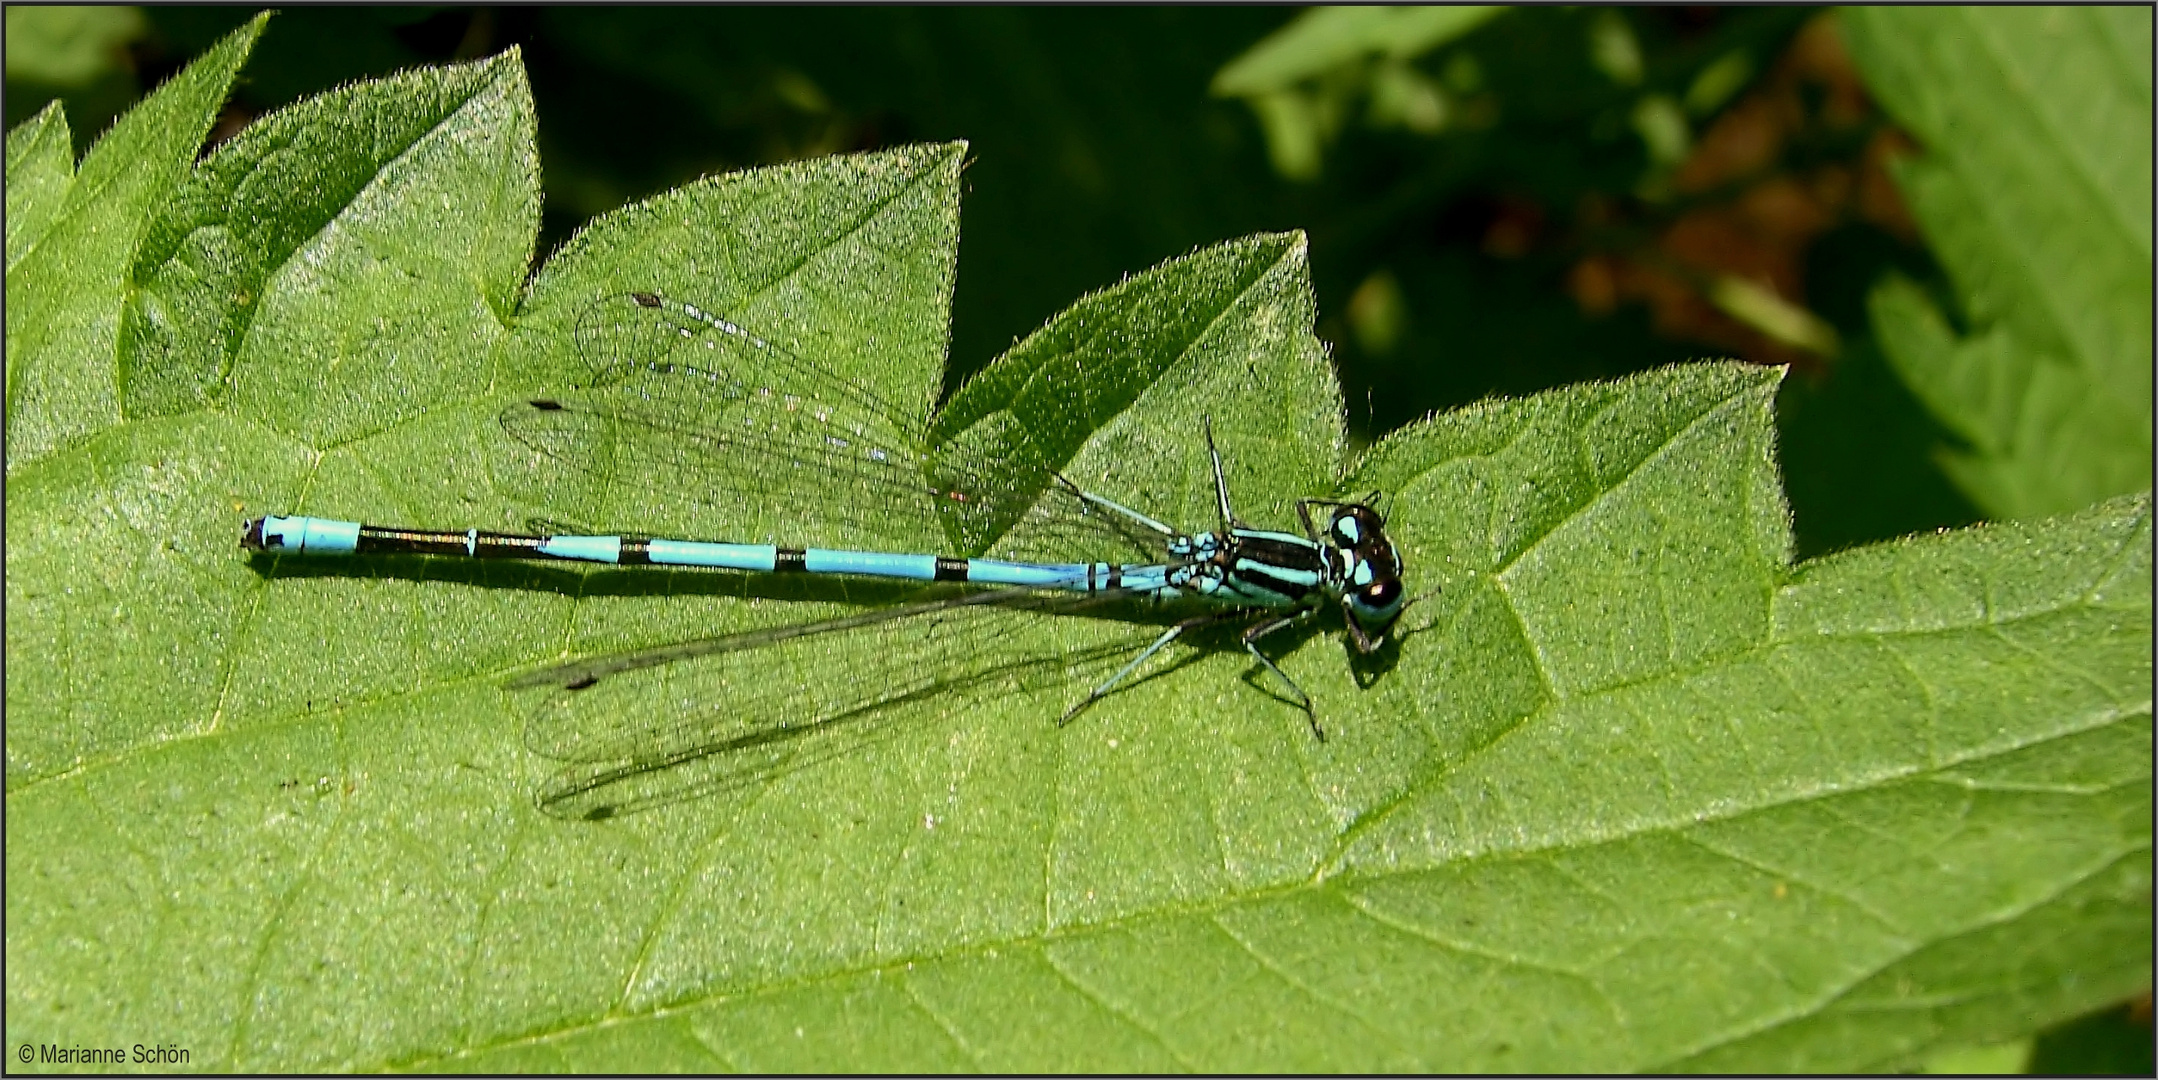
1293,569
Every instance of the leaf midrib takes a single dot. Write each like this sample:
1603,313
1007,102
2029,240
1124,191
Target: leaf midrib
2063,149
1822,1002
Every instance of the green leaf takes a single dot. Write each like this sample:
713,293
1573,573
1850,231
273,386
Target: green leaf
1325,38
40,167
2035,192
64,293
2004,1059
1299,78
69,45
1631,791
378,205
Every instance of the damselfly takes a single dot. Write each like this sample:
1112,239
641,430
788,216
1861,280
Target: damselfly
688,403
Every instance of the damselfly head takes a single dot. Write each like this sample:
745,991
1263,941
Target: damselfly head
1371,590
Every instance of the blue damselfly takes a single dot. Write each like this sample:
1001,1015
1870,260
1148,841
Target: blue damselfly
687,402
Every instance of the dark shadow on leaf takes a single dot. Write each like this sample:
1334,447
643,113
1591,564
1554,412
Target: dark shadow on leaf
1369,668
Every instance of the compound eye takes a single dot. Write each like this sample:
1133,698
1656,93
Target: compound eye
1382,594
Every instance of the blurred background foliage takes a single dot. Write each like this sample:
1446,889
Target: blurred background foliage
1498,200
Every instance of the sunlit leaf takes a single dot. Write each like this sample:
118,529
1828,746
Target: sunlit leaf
1631,790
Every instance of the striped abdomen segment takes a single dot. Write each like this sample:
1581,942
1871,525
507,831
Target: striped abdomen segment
323,536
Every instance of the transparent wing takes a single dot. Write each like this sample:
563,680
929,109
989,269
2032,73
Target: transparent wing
689,419
705,424
655,726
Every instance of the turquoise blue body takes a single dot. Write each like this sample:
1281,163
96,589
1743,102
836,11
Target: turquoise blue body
1245,582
